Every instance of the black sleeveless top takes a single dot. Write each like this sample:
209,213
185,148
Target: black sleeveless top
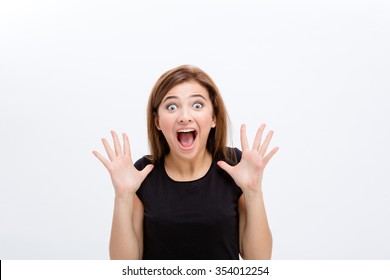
190,220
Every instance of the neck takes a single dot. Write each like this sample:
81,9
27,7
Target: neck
180,169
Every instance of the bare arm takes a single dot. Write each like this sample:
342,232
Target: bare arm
255,234
126,233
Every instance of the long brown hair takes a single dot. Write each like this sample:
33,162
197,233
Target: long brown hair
217,139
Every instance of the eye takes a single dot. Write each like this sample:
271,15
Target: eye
171,107
198,105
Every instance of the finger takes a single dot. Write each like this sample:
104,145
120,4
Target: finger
268,157
146,170
228,168
243,137
117,144
259,135
109,151
265,145
103,160
126,145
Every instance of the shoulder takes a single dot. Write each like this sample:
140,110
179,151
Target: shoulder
142,162
237,152
234,155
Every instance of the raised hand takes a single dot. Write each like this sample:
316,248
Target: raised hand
124,176
248,173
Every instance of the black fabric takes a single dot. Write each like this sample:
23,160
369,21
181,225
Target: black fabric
190,220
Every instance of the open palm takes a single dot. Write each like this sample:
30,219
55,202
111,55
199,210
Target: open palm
125,177
248,173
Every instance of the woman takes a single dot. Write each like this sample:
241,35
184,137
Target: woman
193,197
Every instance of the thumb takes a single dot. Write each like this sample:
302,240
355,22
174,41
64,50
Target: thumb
228,168
147,170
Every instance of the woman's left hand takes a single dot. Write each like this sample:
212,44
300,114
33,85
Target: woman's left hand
248,173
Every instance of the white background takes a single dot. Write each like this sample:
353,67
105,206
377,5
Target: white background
317,72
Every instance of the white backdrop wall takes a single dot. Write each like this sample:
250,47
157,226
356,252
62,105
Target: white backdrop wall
317,72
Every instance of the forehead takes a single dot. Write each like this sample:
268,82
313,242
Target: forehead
187,89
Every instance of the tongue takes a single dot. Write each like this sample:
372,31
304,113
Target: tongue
186,138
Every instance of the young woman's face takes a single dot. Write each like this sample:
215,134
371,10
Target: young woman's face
185,117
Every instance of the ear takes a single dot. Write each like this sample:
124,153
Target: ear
156,123
214,123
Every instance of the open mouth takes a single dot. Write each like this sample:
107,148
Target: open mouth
186,137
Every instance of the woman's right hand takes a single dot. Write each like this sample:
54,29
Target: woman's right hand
124,176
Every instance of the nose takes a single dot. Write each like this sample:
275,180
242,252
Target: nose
185,116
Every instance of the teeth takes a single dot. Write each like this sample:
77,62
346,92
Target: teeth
187,130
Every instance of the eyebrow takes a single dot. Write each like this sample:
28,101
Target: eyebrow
175,97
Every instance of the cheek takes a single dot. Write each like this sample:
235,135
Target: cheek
209,119
160,120
164,124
